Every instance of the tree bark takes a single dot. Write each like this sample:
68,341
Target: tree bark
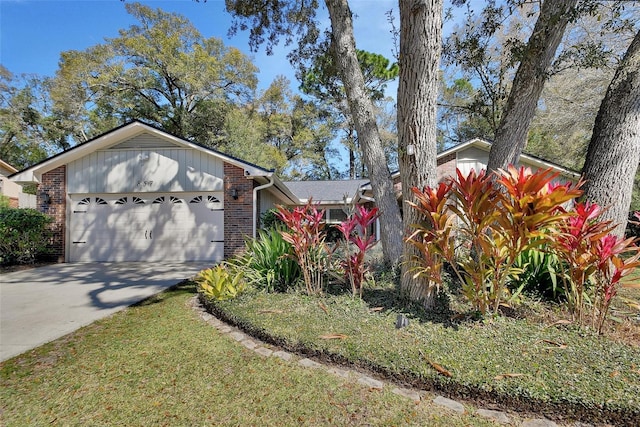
364,119
420,48
511,135
614,150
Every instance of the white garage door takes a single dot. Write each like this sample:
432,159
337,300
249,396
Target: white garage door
147,227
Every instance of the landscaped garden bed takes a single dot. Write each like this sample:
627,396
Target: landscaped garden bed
515,296
559,370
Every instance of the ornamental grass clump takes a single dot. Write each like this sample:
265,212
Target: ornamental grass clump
356,231
268,262
306,234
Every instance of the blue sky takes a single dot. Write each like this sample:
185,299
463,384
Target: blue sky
33,33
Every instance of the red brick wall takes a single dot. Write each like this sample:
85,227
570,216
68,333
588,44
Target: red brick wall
238,213
446,167
54,183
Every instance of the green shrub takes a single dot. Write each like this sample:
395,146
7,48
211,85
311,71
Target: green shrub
4,201
270,219
540,274
633,225
24,235
217,283
268,262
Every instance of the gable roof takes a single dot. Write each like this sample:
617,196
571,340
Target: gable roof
326,192
118,135
7,167
528,158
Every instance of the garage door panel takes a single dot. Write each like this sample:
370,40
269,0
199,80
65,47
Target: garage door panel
158,227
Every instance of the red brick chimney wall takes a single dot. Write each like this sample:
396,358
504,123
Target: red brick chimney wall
54,183
238,213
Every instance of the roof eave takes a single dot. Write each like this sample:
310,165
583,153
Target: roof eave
34,173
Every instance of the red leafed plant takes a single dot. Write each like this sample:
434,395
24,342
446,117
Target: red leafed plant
307,237
434,236
497,219
358,238
595,261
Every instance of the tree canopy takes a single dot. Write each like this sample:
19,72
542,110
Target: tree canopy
161,71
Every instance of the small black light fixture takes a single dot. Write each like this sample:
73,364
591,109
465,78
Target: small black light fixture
234,193
46,199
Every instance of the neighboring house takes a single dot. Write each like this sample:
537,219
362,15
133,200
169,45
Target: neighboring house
474,154
137,193
13,191
334,196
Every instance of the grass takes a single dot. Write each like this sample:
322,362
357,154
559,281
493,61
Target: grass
158,363
561,370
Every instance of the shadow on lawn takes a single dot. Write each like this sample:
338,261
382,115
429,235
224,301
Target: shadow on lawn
389,299
184,287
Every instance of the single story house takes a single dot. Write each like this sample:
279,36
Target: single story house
137,193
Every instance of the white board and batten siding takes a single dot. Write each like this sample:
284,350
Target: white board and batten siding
472,158
146,199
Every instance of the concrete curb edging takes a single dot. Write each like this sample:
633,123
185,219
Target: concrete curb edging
266,350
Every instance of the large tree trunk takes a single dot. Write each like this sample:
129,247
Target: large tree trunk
364,119
420,47
614,150
511,135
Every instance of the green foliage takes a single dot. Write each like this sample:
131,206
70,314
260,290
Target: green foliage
218,283
4,201
540,274
270,219
23,235
268,262
322,80
161,70
560,368
22,127
633,225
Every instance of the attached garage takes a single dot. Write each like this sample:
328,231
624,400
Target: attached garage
147,227
139,194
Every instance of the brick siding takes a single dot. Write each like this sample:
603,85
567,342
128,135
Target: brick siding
238,213
54,183
446,167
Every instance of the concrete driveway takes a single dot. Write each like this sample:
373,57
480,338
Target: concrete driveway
42,304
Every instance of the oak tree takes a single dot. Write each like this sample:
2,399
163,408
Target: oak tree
160,70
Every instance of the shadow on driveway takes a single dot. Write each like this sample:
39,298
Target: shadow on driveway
45,303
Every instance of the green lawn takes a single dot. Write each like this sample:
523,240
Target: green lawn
558,369
160,364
